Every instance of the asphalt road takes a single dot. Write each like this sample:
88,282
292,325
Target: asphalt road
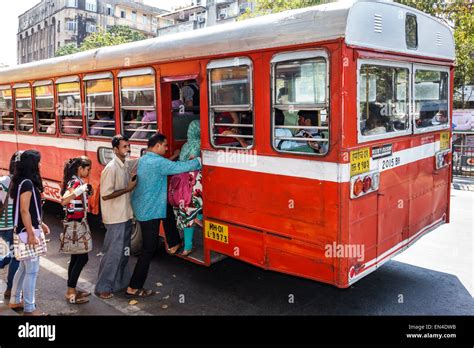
433,277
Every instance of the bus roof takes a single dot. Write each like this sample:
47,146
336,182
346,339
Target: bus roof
368,24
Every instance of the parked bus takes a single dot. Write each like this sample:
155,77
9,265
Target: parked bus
325,131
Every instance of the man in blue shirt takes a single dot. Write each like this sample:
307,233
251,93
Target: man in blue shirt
149,203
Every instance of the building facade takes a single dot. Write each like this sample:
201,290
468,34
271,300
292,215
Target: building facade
202,13
52,24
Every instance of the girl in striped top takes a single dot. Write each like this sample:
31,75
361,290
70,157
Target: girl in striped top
75,194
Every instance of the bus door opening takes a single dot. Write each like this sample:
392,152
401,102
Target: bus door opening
180,101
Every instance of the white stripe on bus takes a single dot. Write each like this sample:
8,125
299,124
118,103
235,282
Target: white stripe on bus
309,169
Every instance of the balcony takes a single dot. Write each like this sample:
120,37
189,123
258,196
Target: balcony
178,28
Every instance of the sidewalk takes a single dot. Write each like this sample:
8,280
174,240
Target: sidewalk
463,183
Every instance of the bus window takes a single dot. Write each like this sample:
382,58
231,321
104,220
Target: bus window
231,103
431,98
69,107
383,101
99,92
23,107
44,107
300,103
6,109
138,110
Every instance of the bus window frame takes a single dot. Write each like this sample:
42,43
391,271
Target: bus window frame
228,63
12,111
416,67
389,135
292,56
62,80
23,85
144,71
105,75
37,125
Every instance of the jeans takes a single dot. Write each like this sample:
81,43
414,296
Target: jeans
76,265
13,263
25,279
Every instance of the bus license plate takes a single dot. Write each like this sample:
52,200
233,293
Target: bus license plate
217,232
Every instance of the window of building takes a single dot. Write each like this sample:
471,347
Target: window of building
383,100
91,28
411,31
91,5
44,107
59,26
231,103
71,3
109,10
71,25
6,109
134,16
431,98
122,14
23,108
137,103
300,102
100,116
69,106
145,19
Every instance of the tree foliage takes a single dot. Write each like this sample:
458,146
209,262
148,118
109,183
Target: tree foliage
116,35
263,7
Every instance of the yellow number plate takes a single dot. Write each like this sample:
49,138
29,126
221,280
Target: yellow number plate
444,140
217,232
360,161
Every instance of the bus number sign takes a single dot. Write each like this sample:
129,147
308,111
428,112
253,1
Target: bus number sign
217,232
360,161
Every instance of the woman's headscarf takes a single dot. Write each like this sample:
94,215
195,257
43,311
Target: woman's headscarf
192,148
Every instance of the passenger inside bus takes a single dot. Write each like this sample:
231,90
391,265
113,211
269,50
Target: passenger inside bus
103,120
190,92
282,144
6,119
71,125
375,123
25,122
147,127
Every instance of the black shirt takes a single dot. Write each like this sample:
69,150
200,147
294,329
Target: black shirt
28,187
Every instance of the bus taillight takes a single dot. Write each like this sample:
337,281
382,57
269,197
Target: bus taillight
363,184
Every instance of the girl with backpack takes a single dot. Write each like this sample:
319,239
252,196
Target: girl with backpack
188,211
75,194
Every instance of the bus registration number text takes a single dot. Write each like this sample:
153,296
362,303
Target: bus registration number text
217,232
390,163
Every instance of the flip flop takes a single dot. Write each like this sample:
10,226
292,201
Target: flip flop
104,295
83,293
75,299
16,306
139,293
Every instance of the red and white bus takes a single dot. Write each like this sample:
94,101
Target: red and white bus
325,131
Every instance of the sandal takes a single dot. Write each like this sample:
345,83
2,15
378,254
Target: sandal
83,293
16,306
104,295
186,252
76,299
36,313
139,293
174,249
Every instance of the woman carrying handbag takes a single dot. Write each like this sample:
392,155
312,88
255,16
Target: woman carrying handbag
29,230
76,238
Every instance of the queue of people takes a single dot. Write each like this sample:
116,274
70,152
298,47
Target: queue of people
128,188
